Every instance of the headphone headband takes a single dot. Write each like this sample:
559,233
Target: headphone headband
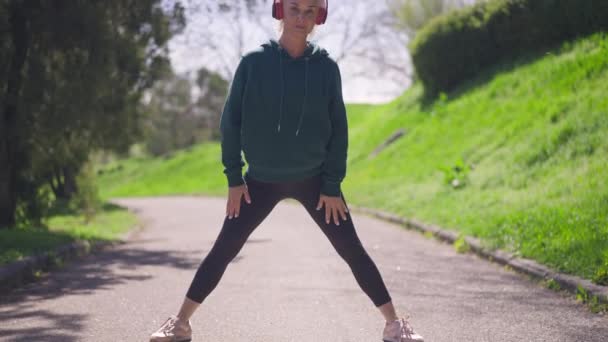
277,11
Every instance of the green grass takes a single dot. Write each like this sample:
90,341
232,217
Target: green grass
63,228
194,171
532,134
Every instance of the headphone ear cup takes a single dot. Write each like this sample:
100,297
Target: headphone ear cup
277,10
321,16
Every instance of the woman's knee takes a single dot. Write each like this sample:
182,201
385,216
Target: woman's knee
353,254
225,250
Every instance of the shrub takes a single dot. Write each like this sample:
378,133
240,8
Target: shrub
86,200
601,275
454,47
456,176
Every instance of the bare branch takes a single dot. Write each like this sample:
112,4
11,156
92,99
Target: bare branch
220,32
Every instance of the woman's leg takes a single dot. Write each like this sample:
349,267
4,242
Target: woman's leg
232,237
346,242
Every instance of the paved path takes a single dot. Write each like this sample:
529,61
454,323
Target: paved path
287,284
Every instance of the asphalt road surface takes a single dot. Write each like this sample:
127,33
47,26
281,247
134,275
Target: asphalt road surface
287,284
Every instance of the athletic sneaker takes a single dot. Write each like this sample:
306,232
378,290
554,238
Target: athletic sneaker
173,330
400,330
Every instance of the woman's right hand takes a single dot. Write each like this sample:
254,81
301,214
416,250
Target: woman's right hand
233,207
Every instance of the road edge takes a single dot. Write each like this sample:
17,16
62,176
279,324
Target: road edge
530,267
21,272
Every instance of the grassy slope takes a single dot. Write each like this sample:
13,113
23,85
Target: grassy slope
63,227
537,136
194,171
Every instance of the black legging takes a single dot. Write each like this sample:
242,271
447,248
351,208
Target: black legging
264,197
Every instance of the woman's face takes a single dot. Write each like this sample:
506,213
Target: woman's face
299,16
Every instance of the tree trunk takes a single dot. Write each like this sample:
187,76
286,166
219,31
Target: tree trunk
8,116
57,183
63,182
69,182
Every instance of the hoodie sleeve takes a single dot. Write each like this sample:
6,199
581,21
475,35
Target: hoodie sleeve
334,167
230,127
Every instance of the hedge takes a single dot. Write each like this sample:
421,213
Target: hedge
454,47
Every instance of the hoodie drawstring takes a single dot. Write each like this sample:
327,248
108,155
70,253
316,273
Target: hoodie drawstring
305,94
282,90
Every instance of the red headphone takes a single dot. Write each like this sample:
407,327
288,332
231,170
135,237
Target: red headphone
277,11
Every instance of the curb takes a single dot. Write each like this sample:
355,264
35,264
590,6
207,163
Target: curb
527,266
23,271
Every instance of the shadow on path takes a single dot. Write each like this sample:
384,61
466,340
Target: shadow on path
103,270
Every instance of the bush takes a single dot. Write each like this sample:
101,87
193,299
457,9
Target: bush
456,46
456,176
86,200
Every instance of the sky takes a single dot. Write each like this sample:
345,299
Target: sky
188,53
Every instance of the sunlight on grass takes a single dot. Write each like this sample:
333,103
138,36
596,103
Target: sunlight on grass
62,229
533,137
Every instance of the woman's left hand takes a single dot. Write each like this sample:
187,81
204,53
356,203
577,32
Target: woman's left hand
334,206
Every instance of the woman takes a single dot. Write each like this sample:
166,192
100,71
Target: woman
285,112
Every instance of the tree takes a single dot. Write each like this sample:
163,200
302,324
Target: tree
213,92
177,116
76,70
169,125
362,35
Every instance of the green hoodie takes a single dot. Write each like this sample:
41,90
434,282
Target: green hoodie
288,116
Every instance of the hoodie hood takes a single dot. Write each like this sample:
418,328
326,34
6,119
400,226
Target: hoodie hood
311,52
